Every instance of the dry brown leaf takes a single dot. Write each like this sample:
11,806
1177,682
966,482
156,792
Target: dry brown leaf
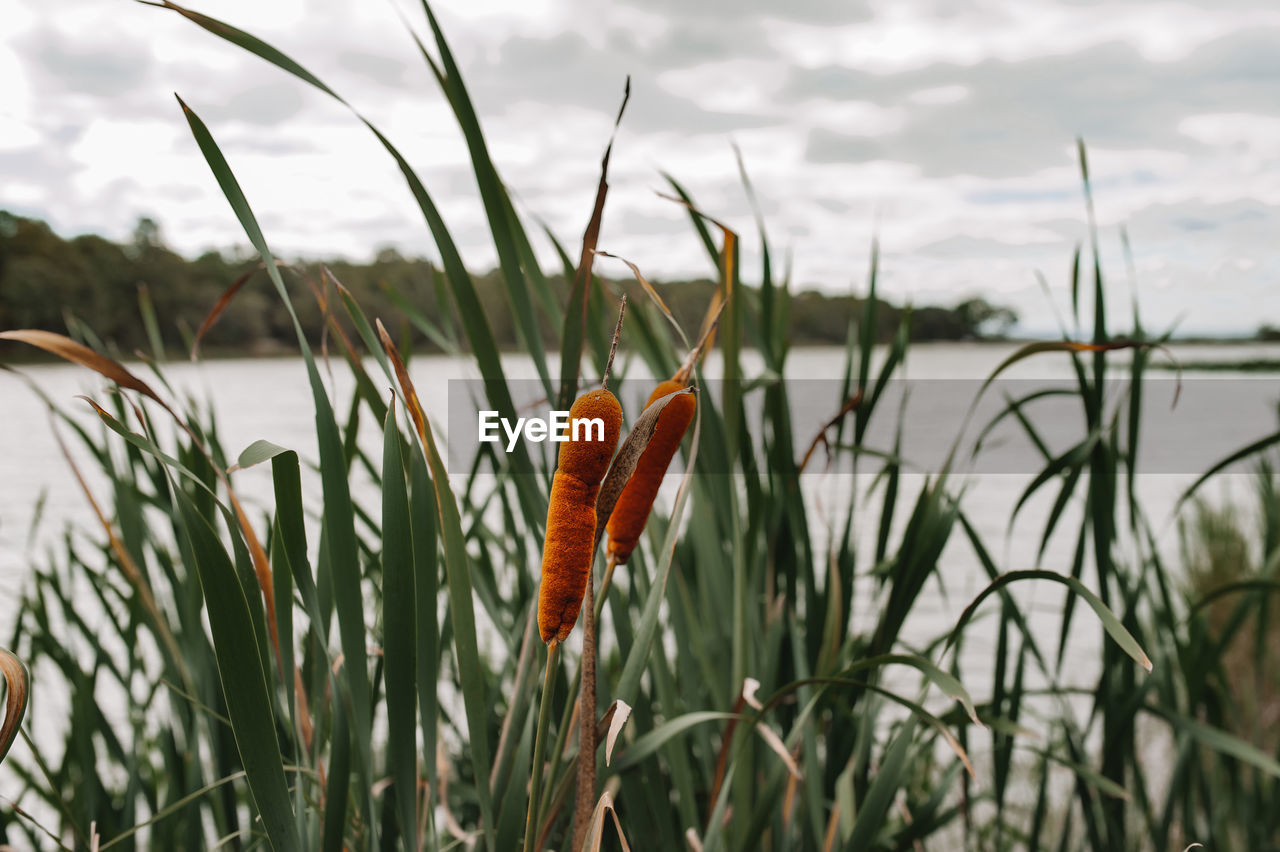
595,830
770,736
750,687
406,383
18,682
618,713
77,353
215,313
624,463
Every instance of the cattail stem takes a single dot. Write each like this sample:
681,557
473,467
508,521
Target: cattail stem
539,744
584,802
605,584
571,705
613,347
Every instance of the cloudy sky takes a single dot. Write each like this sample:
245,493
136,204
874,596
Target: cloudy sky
944,127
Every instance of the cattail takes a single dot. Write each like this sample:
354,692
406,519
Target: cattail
571,516
636,501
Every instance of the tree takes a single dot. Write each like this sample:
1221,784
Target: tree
979,318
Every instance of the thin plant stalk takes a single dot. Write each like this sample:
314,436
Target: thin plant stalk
539,745
585,801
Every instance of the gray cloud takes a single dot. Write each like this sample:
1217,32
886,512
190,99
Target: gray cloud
267,102
1023,116
805,11
383,70
89,64
567,70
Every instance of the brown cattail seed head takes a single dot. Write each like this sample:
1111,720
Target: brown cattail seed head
636,501
571,514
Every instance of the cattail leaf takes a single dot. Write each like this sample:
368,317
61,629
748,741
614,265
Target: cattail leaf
244,682
219,307
461,601
1252,449
470,310
257,453
595,828
1110,623
338,789
399,610
77,353
624,463
945,681
426,569
502,224
1087,774
879,796
704,233
771,738
575,318
17,689
652,294
251,43
750,687
1221,741
647,745
360,321
339,513
150,448
618,715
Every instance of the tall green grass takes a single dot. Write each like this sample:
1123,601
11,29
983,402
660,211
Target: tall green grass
316,679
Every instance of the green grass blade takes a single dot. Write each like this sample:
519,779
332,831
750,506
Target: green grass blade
426,569
337,790
339,513
493,195
874,806
399,616
244,682
1240,454
1110,623
462,611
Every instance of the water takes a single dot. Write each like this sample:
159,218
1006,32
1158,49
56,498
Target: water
270,399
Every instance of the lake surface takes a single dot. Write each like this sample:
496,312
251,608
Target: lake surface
269,399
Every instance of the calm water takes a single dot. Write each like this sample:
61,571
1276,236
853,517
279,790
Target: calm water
269,399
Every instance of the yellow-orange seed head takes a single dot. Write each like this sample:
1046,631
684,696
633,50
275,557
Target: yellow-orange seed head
571,513
636,501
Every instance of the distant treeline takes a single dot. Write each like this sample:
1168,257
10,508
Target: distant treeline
56,284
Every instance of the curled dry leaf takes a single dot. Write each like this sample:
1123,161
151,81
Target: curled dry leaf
750,687
77,353
219,307
18,683
406,384
770,736
618,715
650,292
595,829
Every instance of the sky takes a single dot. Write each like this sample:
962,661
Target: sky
944,130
